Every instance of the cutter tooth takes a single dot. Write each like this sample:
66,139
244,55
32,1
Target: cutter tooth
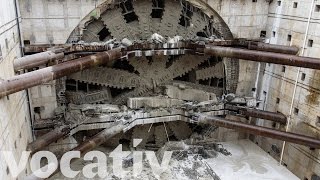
107,77
143,10
114,21
170,19
90,34
216,71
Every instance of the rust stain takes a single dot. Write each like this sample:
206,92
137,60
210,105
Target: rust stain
313,96
308,129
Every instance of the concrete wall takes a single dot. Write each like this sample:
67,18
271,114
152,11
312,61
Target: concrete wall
15,129
246,19
50,22
46,22
279,82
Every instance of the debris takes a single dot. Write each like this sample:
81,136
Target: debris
175,39
222,150
189,94
126,42
157,38
153,102
98,108
211,172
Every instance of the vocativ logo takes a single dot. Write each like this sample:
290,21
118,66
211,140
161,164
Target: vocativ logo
90,170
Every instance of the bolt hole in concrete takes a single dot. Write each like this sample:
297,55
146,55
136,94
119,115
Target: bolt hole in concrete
318,121
310,43
317,8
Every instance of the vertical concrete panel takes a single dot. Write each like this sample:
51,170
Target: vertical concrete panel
286,20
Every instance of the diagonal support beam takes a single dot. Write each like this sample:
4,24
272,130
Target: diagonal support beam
35,60
256,113
260,131
34,78
47,139
38,77
87,146
260,56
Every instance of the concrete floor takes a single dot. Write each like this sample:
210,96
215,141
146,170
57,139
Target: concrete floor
248,161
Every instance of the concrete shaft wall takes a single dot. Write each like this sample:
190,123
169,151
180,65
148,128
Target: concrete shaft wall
246,19
46,22
50,22
15,129
287,23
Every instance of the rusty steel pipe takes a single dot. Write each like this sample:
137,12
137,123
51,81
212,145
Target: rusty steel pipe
259,56
259,46
87,146
45,140
267,115
260,131
34,78
99,139
96,141
35,60
275,117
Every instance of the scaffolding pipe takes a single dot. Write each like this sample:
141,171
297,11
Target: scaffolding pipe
259,56
34,78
